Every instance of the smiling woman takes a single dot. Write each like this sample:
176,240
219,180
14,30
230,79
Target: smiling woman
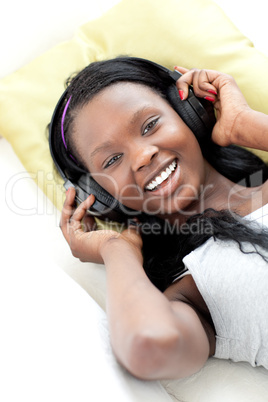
129,133
133,137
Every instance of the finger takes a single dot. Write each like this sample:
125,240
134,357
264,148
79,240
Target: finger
196,83
211,82
217,107
202,82
67,211
184,82
89,223
183,90
80,213
202,86
182,70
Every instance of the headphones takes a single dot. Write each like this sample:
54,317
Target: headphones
197,113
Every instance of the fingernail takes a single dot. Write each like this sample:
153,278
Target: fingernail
181,94
208,98
212,92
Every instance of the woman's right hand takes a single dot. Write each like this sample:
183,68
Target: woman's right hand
80,231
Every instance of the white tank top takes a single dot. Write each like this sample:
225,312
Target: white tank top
234,286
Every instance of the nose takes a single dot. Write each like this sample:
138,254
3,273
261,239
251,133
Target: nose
142,156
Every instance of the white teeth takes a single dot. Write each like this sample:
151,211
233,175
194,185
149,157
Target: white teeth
163,176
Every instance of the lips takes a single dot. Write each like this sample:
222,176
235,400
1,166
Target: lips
161,177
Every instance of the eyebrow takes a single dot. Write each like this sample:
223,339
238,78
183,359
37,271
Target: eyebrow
136,116
101,148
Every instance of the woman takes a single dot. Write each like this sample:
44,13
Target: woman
132,141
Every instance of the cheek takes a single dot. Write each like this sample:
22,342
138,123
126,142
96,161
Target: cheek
188,147
179,137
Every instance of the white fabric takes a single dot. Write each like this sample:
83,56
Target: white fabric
54,338
234,286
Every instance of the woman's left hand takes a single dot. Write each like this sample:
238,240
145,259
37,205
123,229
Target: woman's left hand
222,90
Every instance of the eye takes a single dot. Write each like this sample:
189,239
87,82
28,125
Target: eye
112,161
150,126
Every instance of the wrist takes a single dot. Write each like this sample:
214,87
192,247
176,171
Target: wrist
116,246
241,127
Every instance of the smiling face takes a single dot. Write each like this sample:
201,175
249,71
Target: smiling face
138,149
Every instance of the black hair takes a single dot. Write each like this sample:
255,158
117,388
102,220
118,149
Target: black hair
164,251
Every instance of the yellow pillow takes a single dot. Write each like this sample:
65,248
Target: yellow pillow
192,33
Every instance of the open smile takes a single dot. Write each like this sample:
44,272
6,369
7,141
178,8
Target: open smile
163,177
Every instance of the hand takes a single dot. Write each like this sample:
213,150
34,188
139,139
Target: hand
222,90
80,231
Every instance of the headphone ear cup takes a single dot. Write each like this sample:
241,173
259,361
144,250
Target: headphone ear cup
201,122
105,205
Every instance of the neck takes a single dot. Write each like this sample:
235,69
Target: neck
219,193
